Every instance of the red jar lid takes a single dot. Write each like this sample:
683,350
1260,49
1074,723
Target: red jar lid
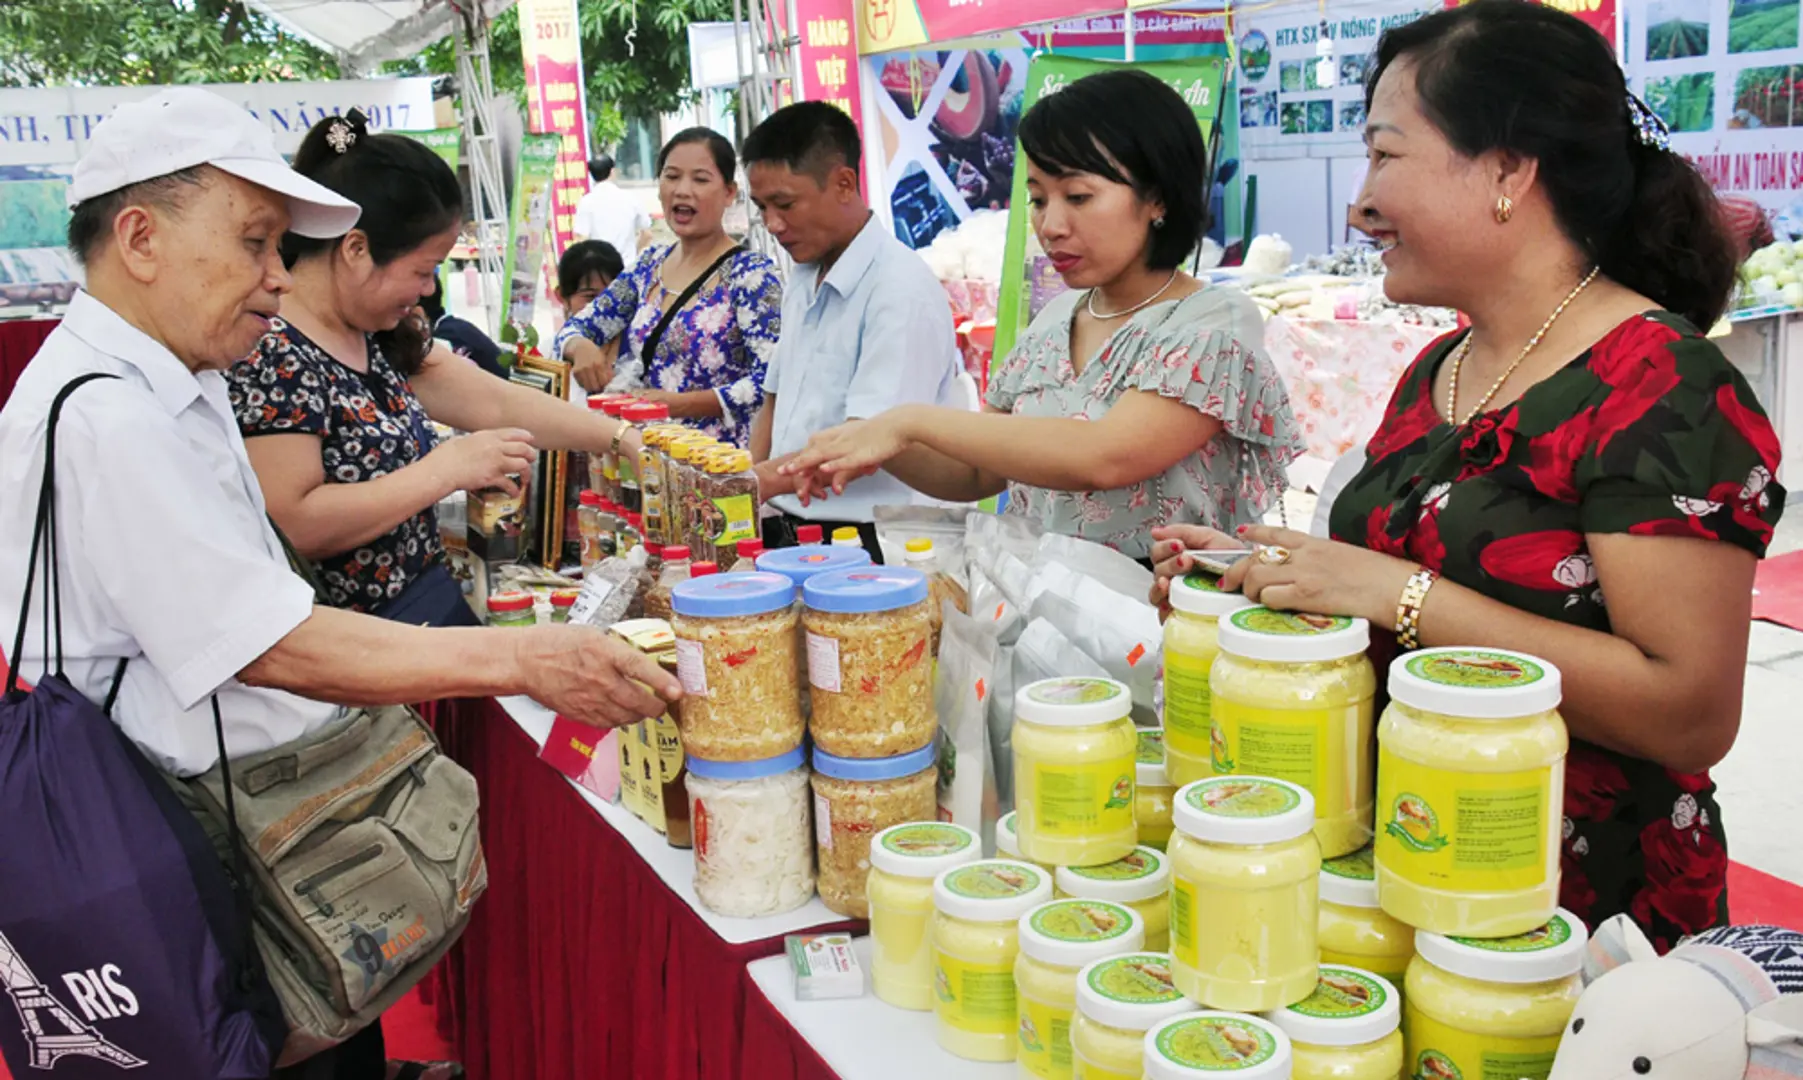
809,534
512,600
589,498
703,569
676,552
645,412
615,406
565,597
750,549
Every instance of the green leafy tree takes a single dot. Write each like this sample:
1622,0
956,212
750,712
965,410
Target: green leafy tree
132,42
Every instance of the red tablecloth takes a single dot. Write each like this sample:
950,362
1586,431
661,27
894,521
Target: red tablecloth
19,341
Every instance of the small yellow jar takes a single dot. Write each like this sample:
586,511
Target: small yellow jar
1478,1007
1293,700
1471,791
1245,869
1074,751
1118,1000
1152,791
976,939
1057,940
1203,1045
904,860
1191,641
1354,930
1141,881
1348,1029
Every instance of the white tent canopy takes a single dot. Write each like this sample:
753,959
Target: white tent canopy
365,33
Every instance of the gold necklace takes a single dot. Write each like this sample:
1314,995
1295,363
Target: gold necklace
1458,358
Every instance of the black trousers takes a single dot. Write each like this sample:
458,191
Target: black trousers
779,532
364,1056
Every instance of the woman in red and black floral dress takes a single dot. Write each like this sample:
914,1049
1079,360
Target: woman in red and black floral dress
1581,475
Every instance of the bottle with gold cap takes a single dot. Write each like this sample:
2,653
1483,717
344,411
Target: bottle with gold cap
847,536
653,459
678,478
728,504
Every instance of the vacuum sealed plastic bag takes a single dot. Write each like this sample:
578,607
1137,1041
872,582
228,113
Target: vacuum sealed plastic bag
966,683
1104,564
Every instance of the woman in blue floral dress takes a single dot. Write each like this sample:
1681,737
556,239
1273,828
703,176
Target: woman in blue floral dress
700,317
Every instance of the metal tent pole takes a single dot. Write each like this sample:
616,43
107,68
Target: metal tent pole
488,189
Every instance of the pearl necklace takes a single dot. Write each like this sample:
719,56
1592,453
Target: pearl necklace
1142,305
1458,358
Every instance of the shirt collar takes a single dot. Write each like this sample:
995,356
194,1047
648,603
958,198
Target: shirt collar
855,261
102,329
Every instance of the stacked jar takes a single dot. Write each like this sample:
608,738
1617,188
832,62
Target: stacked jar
1202,1045
869,673
1355,931
1348,1029
735,649
1118,1000
854,800
1057,940
800,565
976,940
1075,753
1141,881
904,861
727,505
753,849
1007,841
1191,643
1153,791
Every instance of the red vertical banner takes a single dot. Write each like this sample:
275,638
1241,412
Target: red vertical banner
829,53
556,103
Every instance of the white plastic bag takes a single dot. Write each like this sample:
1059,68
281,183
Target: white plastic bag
966,684
1106,565
1121,634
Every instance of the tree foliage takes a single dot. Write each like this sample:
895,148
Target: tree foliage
133,42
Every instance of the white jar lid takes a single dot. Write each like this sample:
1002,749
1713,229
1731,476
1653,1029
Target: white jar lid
1349,1007
1199,593
1244,810
991,891
1072,933
1007,839
1555,951
1258,633
1140,875
1198,1045
1350,880
1073,702
1148,765
924,849
1475,684
1132,992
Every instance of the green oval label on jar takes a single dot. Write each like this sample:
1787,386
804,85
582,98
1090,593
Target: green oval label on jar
1358,866
1074,691
1260,620
1203,581
992,881
1342,994
926,841
1476,670
1551,936
1151,748
1136,864
1081,921
1216,1043
1140,979
1242,797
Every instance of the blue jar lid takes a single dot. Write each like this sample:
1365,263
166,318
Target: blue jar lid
883,768
798,564
872,588
748,770
719,595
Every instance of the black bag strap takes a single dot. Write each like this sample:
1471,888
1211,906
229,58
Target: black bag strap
657,334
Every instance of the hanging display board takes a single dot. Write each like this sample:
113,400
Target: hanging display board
555,103
529,225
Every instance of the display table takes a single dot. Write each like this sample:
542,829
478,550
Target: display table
19,341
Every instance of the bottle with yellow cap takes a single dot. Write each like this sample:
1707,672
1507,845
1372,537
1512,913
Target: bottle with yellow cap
728,504
678,449
847,536
921,556
654,461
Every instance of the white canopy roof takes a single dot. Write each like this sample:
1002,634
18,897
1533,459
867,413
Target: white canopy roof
365,33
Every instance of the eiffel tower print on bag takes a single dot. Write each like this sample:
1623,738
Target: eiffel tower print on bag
122,945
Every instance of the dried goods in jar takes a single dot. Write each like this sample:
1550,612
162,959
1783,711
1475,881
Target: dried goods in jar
735,647
869,673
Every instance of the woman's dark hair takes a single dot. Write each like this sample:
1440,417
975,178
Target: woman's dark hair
408,195
583,258
717,145
1131,128
1531,80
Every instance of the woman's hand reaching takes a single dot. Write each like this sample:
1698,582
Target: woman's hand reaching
837,456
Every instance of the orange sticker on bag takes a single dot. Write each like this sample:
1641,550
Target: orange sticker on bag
1138,654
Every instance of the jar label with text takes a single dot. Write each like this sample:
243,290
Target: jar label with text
1438,1052
736,517
1185,945
1045,1039
691,667
1285,744
1187,704
823,663
1074,801
1469,832
823,821
976,998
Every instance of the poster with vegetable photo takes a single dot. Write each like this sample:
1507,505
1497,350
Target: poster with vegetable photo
1677,29
1762,25
1764,97
1684,102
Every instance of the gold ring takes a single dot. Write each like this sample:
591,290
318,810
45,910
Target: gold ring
1274,555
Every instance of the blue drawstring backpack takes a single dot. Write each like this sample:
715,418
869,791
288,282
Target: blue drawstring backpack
125,947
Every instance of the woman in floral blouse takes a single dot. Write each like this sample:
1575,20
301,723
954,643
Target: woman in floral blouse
1141,396
704,357
1582,475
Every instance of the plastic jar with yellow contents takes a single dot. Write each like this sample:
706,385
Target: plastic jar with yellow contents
1293,699
1202,1045
904,860
976,939
1245,866
1348,1029
1057,940
1141,881
1007,841
1354,930
1191,642
1118,1000
1074,751
1494,1007
1153,791
1471,790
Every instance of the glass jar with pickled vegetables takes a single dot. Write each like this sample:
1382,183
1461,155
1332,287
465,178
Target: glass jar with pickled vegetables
1492,1007
735,650
904,860
1203,1045
1141,881
1191,642
856,798
1118,1000
1293,699
870,678
1152,791
1057,940
1348,1029
1074,763
1470,788
1354,930
976,938
1245,866
512,608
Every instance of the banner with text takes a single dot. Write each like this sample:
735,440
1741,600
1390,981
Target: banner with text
447,143
889,25
829,53
530,224
556,103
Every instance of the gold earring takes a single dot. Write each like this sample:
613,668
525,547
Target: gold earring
1505,209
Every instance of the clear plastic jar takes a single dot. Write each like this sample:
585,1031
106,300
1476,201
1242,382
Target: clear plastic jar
597,462
1074,751
1191,642
856,798
1354,930
639,414
904,860
1245,866
1057,940
799,565
673,570
1348,1029
747,552
1202,1045
1141,881
613,405
679,485
1293,699
1007,841
976,938
653,459
1478,1007
588,528
870,678
729,504
754,849
1471,783
1118,1000
735,642
1153,792
511,609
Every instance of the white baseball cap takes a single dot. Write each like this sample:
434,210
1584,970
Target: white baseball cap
186,126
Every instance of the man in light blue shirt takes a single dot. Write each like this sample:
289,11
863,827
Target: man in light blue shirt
866,325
